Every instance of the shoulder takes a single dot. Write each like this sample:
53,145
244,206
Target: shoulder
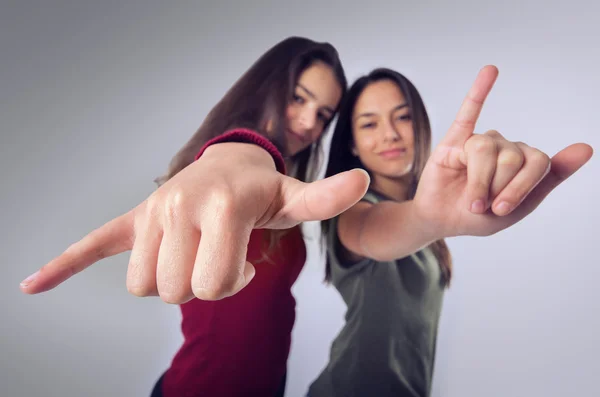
343,232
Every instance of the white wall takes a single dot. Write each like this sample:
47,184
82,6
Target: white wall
95,99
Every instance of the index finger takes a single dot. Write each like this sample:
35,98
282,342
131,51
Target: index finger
464,124
112,238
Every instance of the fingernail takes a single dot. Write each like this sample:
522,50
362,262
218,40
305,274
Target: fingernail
477,206
503,208
29,279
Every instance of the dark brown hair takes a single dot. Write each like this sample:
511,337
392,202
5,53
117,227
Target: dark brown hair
342,159
261,96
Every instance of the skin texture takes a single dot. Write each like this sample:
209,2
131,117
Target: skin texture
472,184
197,225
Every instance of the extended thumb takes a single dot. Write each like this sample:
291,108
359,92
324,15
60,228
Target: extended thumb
326,198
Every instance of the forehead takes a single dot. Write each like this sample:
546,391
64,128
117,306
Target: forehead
380,96
319,79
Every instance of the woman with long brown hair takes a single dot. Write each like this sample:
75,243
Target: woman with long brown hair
212,220
386,255
239,346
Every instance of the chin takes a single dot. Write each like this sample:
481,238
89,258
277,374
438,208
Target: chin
397,170
399,175
295,150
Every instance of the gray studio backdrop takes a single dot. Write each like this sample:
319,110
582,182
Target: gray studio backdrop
96,97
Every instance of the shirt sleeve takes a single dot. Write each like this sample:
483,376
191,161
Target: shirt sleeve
244,135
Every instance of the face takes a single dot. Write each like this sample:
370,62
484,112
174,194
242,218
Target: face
383,131
315,99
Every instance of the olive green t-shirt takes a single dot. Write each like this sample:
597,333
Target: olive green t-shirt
387,346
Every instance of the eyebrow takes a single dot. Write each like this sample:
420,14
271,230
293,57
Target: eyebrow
369,114
313,96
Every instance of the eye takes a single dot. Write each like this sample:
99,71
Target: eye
368,125
298,99
323,118
403,117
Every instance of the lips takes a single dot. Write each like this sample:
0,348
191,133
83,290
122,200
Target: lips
299,137
392,153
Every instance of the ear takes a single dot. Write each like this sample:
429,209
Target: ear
354,151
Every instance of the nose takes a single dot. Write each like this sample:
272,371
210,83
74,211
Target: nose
390,133
307,119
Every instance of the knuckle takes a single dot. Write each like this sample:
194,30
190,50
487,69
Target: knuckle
151,207
174,297
174,204
464,123
493,134
136,283
88,246
511,158
221,202
140,290
98,254
539,158
482,144
209,294
215,291
173,291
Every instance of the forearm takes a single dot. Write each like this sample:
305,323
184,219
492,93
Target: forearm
391,231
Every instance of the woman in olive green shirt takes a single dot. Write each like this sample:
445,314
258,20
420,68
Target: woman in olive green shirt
386,255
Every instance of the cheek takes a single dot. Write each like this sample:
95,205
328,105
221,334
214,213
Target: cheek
409,138
365,147
365,144
317,133
290,113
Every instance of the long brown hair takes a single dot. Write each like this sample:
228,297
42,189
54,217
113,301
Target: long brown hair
341,157
260,98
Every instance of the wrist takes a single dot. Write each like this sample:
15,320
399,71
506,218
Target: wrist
424,225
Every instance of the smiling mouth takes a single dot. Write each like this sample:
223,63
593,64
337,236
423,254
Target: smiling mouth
297,136
392,153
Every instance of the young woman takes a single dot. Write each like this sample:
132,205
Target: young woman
386,255
239,346
236,346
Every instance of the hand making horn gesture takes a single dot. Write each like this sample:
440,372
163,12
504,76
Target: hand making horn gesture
479,184
190,237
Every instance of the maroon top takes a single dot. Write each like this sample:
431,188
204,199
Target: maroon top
239,346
